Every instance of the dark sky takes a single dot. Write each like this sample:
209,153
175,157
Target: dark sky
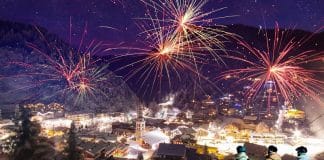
55,15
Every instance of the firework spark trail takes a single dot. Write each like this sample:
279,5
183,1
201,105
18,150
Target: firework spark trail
281,63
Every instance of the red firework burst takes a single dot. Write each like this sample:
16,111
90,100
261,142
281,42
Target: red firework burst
283,64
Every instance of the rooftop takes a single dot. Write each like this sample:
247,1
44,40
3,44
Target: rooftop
171,150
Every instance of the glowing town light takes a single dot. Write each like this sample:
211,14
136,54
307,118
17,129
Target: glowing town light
297,133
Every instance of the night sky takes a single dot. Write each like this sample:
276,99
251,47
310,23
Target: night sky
55,15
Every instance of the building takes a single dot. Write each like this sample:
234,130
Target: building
120,151
188,140
140,124
250,119
182,130
93,150
294,114
7,128
189,114
170,152
123,129
81,120
267,101
267,138
154,138
178,152
205,110
97,137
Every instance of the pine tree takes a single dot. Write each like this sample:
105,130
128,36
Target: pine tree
140,156
205,150
29,144
206,153
72,152
23,147
26,126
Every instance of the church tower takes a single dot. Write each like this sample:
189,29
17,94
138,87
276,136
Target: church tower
140,123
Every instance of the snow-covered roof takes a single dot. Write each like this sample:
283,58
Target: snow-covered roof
135,147
155,137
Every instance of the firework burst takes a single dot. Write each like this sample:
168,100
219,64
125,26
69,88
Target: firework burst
177,37
162,59
74,73
188,22
283,64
